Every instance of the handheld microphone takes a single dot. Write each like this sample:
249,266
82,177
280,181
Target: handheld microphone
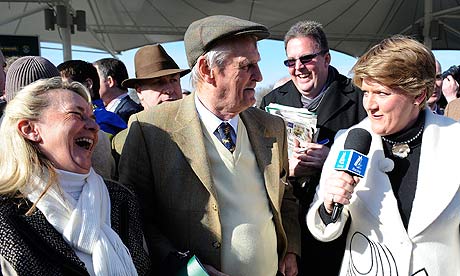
352,159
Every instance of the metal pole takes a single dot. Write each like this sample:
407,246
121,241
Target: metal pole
427,23
66,35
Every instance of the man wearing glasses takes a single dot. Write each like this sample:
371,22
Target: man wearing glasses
320,88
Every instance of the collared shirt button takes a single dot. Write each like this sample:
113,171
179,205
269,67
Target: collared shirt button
214,207
216,244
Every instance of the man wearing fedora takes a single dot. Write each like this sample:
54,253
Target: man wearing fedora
210,170
157,76
112,72
157,80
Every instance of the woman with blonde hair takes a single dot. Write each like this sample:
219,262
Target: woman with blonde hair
404,214
57,216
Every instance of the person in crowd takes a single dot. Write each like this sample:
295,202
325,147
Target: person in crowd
403,217
320,88
450,90
210,169
157,80
157,76
112,72
9,61
2,83
57,215
86,74
25,70
432,102
451,87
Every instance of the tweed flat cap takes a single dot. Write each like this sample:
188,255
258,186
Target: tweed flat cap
26,70
202,34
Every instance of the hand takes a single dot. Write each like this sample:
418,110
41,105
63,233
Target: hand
307,159
449,88
339,188
213,272
288,266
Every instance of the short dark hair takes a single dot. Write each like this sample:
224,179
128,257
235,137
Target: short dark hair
112,67
79,70
308,28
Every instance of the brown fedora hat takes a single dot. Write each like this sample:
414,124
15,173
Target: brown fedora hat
150,62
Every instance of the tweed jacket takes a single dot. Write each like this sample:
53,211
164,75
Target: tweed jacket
164,158
377,242
31,246
453,110
127,107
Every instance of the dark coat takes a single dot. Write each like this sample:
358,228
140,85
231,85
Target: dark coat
127,107
341,107
32,246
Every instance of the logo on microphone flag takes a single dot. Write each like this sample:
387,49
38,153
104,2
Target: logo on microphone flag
352,162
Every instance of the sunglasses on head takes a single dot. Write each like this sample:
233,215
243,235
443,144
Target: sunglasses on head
303,59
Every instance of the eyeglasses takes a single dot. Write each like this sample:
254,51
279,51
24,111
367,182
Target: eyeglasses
438,77
303,59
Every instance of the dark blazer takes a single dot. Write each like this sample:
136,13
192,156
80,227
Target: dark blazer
127,107
32,246
341,107
164,158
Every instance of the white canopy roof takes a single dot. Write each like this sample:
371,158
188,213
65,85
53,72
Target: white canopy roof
352,26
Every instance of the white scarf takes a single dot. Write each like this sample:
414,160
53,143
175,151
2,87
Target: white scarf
85,224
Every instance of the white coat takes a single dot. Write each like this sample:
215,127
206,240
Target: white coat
377,242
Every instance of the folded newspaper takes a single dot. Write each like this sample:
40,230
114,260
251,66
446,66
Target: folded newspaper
300,123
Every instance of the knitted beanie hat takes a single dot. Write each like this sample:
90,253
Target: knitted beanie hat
26,70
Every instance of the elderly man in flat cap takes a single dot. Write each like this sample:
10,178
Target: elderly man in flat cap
210,169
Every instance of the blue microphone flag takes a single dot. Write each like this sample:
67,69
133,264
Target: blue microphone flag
352,162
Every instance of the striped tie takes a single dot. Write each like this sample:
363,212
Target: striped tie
223,133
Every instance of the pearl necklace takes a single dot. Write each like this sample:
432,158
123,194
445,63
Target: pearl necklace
402,149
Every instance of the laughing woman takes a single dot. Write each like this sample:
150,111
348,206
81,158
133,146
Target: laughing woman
57,216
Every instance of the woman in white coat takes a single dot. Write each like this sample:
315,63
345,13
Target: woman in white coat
405,211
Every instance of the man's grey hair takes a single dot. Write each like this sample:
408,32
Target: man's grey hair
217,56
307,28
214,58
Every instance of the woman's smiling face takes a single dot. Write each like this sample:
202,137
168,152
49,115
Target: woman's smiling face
67,131
389,110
